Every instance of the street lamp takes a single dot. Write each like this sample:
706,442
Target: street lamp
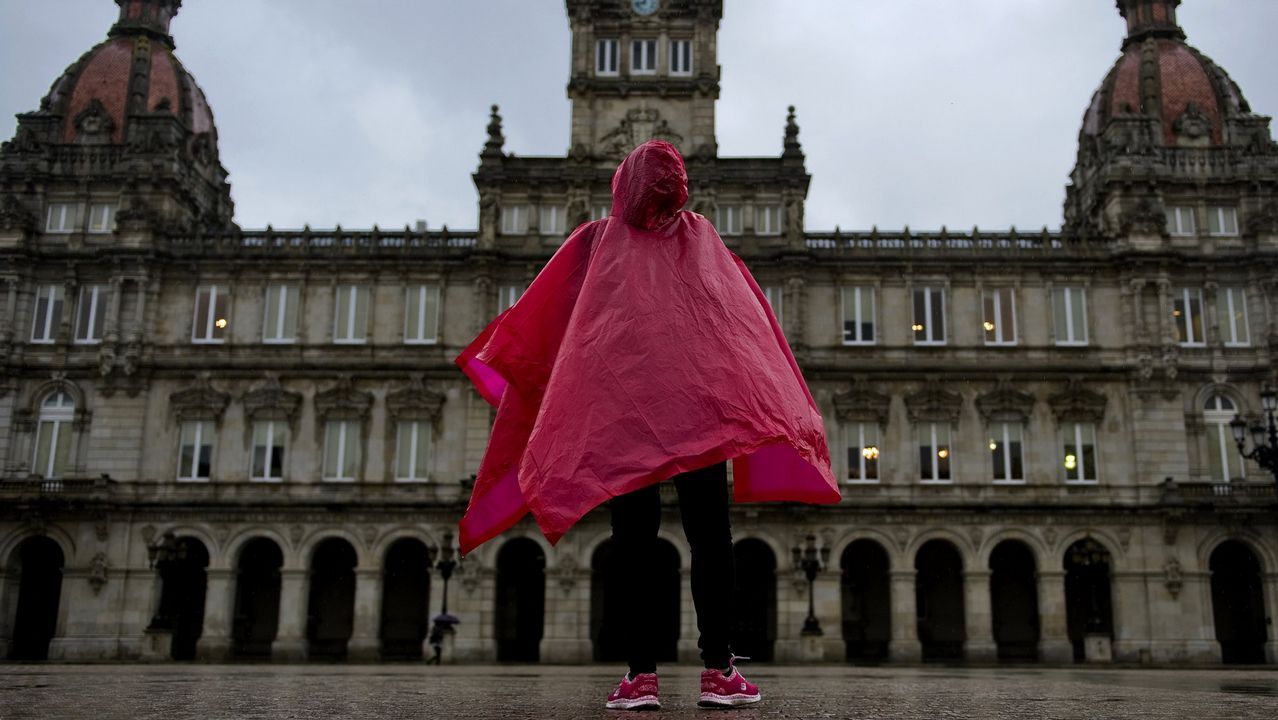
1264,437
443,622
811,560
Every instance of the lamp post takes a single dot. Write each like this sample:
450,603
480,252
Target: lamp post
1264,436
811,560
443,622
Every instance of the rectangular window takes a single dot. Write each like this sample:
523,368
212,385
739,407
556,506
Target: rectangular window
1187,312
507,295
1222,221
1223,461
1078,442
858,315
270,438
776,299
862,442
514,220
600,212
53,448
767,220
91,313
63,218
196,454
1069,309
412,450
1231,307
643,57
421,316
350,322
929,316
605,57
680,57
934,452
101,218
48,313
551,220
1180,220
727,219
280,322
999,310
1006,440
211,320
341,449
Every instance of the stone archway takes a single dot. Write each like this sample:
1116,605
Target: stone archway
939,596
183,584
755,600
607,622
866,595
1238,603
330,600
36,565
521,601
405,599
1014,601
1088,602
257,599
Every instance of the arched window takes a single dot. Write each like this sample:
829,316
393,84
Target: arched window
53,436
1223,461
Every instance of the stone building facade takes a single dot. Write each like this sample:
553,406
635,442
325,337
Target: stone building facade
219,442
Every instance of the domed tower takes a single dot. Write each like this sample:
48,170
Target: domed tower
1169,149
124,142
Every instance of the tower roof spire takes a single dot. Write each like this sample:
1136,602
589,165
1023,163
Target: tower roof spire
146,17
1150,18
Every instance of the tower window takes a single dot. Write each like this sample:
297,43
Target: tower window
643,57
1180,220
514,220
550,220
101,218
767,220
727,219
1222,221
606,57
63,218
680,57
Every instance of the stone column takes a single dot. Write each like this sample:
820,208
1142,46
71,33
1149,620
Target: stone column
219,602
905,645
1270,585
1054,645
365,643
979,645
290,638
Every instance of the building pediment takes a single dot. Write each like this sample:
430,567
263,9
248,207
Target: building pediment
199,402
1005,404
862,404
343,401
272,402
934,404
1078,404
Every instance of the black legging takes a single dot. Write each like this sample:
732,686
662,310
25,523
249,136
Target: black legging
703,505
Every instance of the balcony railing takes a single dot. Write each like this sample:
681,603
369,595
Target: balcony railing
1220,493
977,243
326,242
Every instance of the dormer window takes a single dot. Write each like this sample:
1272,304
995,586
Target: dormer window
606,57
680,57
643,57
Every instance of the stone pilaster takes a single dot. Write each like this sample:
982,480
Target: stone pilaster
219,599
365,643
290,637
1054,645
904,645
978,616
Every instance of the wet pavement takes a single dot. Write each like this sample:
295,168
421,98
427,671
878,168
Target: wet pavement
177,692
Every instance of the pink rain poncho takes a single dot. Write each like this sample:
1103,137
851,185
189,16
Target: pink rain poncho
642,350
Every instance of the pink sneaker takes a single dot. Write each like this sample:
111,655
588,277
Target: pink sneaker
637,694
719,690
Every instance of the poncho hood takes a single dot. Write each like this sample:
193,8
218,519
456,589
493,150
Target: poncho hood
650,185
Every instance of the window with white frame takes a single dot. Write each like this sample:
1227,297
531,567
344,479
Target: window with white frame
680,57
1231,308
279,324
101,218
1187,314
606,57
929,316
514,220
858,315
195,450
48,313
776,299
1222,220
727,219
210,323
341,449
599,212
1223,461
350,320
1180,220
412,450
862,442
1006,441
421,314
53,436
934,452
63,218
1078,450
998,307
643,57
270,439
767,220
507,295
550,220
91,313
1069,312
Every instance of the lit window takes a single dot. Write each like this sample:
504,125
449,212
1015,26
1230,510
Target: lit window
421,316
1231,307
63,218
507,295
606,57
341,449
999,310
858,316
1006,440
680,57
350,321
1078,441
1069,310
1187,312
196,451
210,321
1223,461
862,442
412,450
727,219
934,452
776,300
48,313
929,316
551,220
270,438
767,220
1180,220
53,436
91,314
280,322
514,220
1222,221
101,218
643,57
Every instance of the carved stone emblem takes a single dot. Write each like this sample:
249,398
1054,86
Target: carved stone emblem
1173,577
200,401
98,572
93,125
1192,124
638,126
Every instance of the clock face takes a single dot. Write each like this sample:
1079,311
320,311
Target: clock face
645,7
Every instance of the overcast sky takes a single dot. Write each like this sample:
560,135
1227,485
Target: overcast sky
918,112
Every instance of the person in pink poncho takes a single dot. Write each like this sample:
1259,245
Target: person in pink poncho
644,351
